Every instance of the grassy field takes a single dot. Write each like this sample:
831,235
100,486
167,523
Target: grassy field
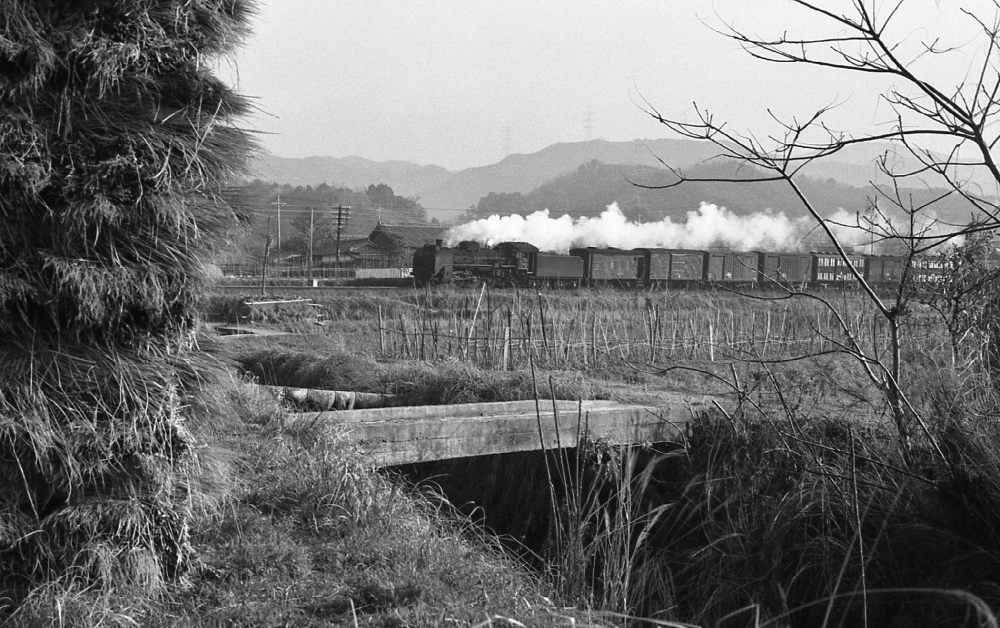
795,504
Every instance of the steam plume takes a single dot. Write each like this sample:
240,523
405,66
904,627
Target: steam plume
708,226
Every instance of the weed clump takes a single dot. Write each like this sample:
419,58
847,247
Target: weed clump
331,370
410,383
824,523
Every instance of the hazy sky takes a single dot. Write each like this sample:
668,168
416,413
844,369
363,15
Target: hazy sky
444,82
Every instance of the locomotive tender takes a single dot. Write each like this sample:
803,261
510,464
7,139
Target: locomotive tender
521,263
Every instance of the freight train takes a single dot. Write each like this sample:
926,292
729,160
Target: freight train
521,263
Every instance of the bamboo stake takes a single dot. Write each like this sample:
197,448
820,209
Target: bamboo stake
505,364
472,327
593,338
711,342
381,332
405,345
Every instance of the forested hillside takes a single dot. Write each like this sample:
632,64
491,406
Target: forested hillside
594,186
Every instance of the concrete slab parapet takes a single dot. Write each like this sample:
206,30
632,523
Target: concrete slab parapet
404,435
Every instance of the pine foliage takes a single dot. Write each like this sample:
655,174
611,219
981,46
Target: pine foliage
116,144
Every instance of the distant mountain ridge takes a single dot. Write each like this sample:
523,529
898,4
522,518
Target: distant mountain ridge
447,194
523,173
405,178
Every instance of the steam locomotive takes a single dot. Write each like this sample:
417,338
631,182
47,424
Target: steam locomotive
518,263
521,263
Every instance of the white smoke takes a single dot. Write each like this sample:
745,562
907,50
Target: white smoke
708,226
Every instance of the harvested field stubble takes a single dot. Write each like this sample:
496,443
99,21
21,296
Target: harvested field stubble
595,329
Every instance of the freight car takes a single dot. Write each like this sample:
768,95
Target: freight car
673,268
731,268
785,270
883,271
613,267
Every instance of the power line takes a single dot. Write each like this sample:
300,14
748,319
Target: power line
296,208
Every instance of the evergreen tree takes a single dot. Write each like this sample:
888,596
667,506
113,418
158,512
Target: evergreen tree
115,143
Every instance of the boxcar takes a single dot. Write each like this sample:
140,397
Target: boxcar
787,270
657,263
674,267
624,267
731,268
883,270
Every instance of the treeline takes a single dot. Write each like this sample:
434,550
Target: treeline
358,210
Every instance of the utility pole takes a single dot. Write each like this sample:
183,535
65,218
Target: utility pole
310,257
263,264
278,204
588,123
340,215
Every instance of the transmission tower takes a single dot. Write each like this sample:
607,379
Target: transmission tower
506,141
588,123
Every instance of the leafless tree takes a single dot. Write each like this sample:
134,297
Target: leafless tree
925,113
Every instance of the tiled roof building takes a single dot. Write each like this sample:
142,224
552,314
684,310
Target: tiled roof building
400,241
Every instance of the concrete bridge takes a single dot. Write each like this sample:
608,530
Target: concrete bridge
402,435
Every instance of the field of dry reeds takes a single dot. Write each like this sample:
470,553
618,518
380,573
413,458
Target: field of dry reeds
498,329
